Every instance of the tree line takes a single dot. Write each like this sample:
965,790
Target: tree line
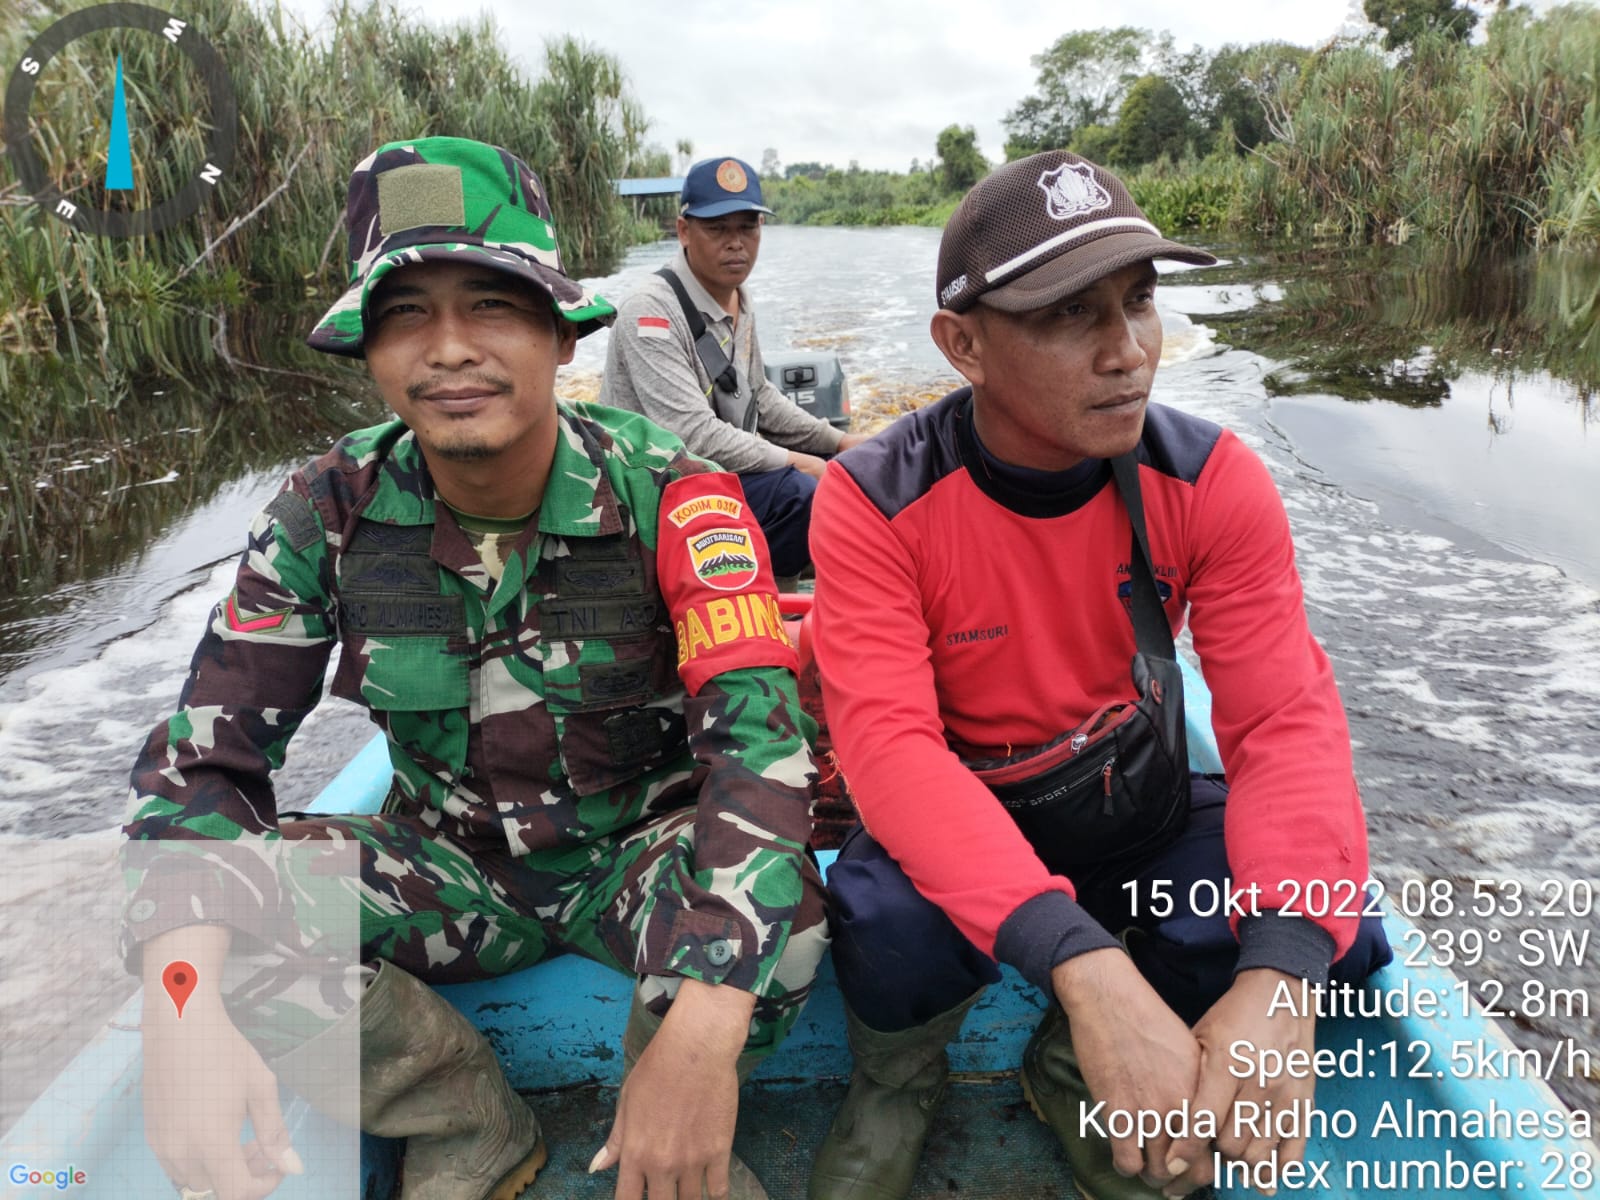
1432,120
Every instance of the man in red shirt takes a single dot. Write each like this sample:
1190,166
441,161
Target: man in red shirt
976,576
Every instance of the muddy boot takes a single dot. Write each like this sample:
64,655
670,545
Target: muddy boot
1054,1088
642,1026
872,1149
428,1076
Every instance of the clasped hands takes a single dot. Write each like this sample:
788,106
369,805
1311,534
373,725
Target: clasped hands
1138,1056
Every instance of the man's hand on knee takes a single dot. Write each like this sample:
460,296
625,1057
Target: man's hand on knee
1240,1020
809,464
676,1114
1135,1053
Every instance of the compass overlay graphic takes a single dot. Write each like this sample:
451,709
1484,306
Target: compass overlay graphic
184,201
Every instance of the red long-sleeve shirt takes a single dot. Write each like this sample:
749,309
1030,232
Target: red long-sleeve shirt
955,606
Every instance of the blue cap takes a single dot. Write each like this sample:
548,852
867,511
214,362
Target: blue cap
717,186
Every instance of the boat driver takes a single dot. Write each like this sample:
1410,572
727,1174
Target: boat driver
530,599
733,414
1000,683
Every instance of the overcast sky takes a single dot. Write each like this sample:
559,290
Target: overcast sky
869,80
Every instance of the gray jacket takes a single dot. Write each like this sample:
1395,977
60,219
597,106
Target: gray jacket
653,369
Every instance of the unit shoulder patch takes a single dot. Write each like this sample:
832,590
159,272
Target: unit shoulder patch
716,578
723,558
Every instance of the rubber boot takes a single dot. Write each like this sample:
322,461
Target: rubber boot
428,1076
1054,1088
873,1147
642,1026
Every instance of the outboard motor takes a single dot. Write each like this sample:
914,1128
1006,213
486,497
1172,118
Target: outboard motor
813,380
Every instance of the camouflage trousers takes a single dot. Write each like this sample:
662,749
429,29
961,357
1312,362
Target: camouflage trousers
448,912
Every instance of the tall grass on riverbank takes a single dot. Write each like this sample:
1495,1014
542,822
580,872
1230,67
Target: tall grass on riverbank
1194,196
311,104
91,327
1473,145
857,197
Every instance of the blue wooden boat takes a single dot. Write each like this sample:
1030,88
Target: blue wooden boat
1415,1125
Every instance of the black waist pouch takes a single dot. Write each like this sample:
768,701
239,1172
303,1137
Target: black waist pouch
1110,792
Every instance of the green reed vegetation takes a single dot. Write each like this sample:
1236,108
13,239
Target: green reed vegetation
858,197
89,327
1471,145
311,104
1195,194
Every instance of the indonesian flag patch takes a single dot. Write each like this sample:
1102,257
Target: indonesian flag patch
716,577
655,327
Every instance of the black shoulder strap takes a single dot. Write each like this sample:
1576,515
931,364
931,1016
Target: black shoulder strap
691,313
1151,631
705,342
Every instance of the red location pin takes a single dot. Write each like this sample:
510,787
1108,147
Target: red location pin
179,980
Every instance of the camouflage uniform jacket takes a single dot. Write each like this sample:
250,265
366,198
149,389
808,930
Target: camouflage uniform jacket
630,662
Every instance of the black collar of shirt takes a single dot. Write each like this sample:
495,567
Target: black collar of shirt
1025,491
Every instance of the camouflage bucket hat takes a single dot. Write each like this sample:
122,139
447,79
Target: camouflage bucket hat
441,198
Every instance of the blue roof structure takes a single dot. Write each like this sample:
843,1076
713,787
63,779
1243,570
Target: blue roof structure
663,186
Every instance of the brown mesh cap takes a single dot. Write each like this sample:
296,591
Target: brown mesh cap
1042,228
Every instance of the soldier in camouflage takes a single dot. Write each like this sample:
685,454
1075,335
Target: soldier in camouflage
567,629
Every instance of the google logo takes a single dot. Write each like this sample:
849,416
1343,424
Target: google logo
60,1180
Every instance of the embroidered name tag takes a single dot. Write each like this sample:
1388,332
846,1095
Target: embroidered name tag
599,618
391,613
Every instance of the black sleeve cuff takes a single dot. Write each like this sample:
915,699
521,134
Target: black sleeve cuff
1293,945
1046,931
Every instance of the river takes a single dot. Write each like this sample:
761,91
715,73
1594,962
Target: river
1446,515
